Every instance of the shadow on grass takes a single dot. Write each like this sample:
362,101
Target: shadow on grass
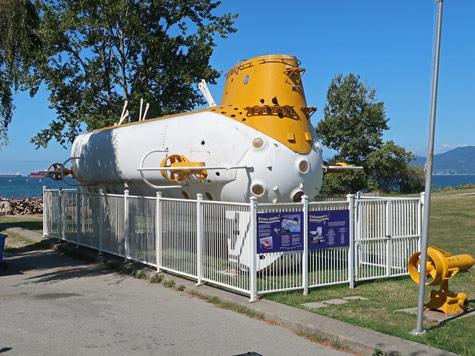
27,225
455,317
42,245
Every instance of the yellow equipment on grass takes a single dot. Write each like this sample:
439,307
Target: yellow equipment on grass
440,267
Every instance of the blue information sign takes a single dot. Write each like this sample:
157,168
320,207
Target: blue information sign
279,232
327,229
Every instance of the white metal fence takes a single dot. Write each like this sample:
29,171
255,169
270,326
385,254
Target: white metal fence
216,242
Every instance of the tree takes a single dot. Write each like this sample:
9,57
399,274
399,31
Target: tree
353,125
343,183
353,121
389,167
97,54
413,180
19,46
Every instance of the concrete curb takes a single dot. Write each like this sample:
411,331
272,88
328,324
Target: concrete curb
354,338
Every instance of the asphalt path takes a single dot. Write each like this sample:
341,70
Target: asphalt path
52,304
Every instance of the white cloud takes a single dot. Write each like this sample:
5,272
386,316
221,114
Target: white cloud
422,152
444,148
419,151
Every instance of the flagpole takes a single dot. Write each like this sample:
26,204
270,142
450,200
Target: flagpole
419,330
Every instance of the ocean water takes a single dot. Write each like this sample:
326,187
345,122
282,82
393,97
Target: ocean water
19,187
442,181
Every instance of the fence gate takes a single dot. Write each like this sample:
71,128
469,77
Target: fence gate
387,233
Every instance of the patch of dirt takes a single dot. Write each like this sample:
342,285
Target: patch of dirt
14,240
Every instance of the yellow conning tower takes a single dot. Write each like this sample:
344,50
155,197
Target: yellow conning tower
266,93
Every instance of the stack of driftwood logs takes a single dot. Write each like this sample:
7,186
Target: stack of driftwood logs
21,206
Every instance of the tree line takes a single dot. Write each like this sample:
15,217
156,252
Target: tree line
93,55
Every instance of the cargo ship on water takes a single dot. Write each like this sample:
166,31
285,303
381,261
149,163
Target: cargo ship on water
38,174
10,175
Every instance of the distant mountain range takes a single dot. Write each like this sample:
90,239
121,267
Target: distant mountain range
460,160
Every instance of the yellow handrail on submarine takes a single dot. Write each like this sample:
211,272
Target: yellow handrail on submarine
440,267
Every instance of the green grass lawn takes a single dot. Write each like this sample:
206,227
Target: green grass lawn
34,223
452,223
452,228
29,222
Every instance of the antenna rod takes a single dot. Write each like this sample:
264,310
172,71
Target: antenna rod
419,330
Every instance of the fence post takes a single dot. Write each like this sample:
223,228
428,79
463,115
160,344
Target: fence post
126,224
199,238
351,248
389,242
78,216
305,245
253,250
60,230
45,213
101,219
83,212
419,220
158,230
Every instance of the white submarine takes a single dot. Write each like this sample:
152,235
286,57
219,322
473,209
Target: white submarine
258,142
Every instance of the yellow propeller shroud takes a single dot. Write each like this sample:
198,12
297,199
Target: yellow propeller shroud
184,168
440,267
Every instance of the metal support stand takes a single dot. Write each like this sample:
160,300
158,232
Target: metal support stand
46,204
101,219
126,225
253,250
305,245
199,238
389,242
78,217
351,249
158,231
61,215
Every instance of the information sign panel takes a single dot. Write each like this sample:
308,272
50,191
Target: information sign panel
279,232
282,232
327,229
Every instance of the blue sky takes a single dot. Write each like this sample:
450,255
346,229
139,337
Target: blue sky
389,44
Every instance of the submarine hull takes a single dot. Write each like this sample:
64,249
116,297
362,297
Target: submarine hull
110,159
